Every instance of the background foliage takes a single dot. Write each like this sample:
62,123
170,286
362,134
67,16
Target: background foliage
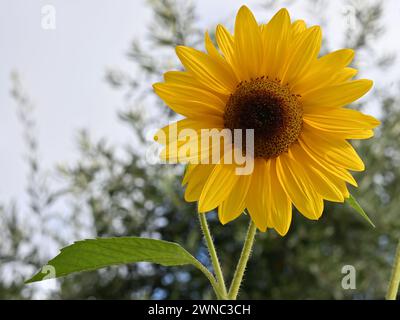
112,191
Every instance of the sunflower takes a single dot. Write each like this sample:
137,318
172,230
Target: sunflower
269,78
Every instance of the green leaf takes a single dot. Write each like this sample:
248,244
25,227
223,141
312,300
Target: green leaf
99,253
356,206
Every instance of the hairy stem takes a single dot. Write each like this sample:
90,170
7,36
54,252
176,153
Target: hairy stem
220,295
244,258
213,255
395,278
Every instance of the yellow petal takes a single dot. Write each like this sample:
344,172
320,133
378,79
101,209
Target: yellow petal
225,43
248,44
335,96
186,79
170,132
298,27
338,181
275,38
214,53
235,204
188,172
305,52
323,70
218,187
279,202
297,185
332,149
345,134
346,123
196,146
183,78
257,202
190,101
211,49
326,184
345,118
325,79
337,171
207,70
343,76
337,59
196,183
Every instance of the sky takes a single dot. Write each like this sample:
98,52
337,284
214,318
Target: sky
63,70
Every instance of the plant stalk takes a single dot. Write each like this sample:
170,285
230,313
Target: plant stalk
395,278
213,255
244,258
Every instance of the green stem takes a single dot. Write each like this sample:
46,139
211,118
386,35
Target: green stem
395,278
244,258
213,255
210,277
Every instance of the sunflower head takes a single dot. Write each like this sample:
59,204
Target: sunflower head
271,110
268,78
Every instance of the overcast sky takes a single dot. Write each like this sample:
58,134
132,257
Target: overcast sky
63,70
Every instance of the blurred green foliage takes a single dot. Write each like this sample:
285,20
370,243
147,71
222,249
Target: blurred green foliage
112,191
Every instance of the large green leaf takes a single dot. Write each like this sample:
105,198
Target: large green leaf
99,253
356,206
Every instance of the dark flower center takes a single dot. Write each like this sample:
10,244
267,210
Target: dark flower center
271,110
